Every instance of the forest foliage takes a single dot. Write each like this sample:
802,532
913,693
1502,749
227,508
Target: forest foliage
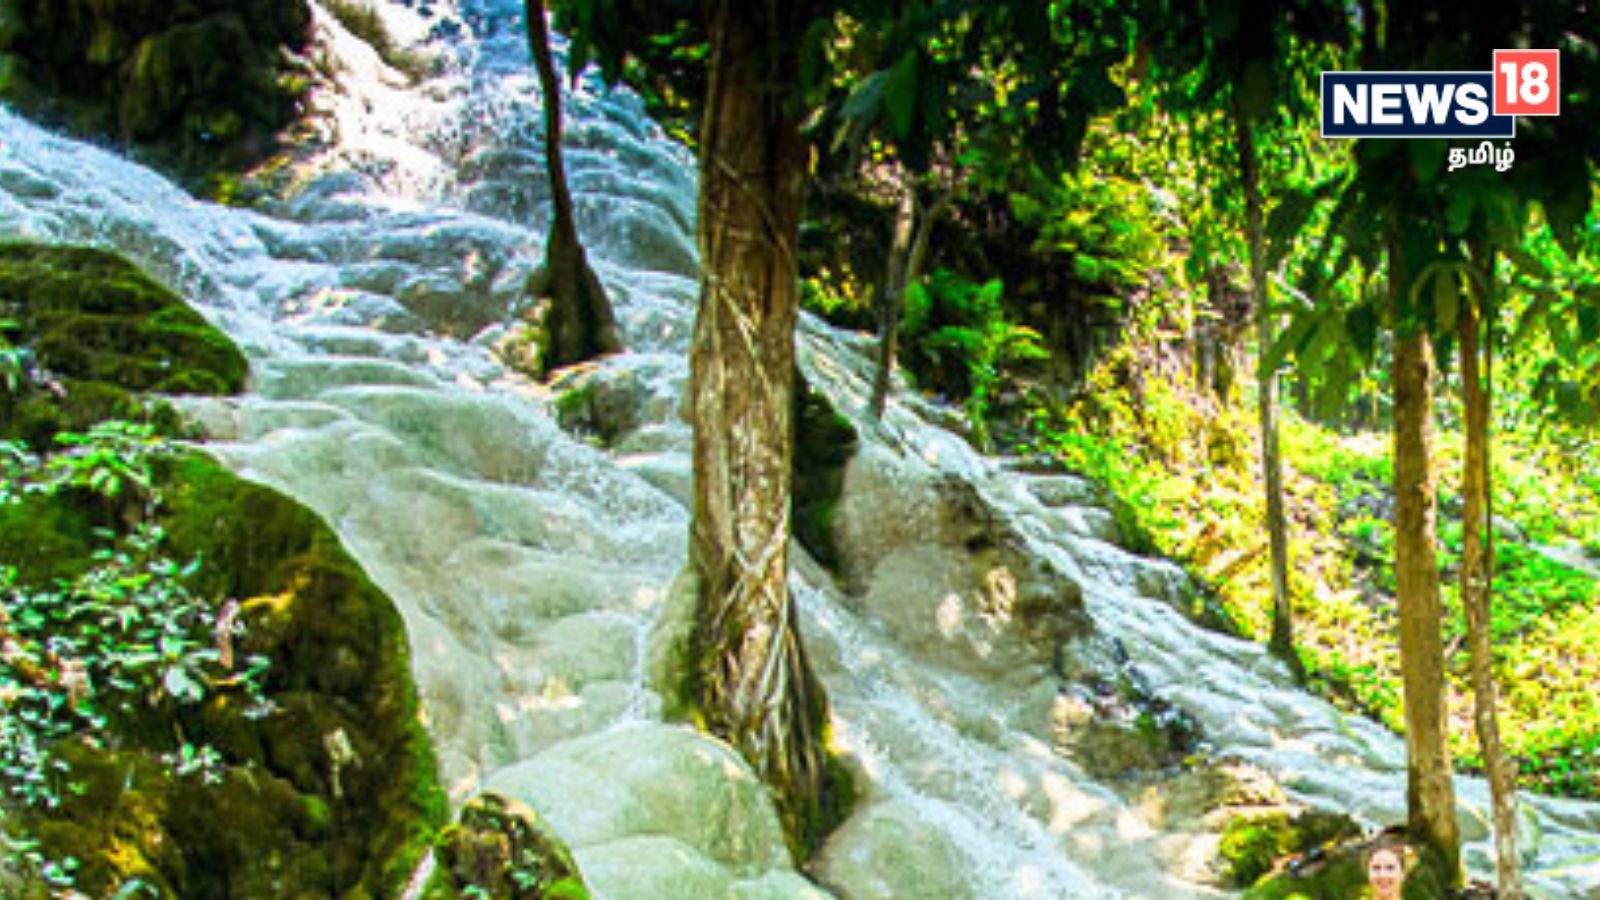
1140,249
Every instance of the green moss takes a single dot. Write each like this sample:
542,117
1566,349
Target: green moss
195,83
1254,844
44,540
501,848
363,20
102,332
1340,878
341,664
824,443
334,793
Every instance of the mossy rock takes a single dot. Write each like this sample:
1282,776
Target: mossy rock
100,333
332,795
1307,855
1254,844
198,84
500,848
1339,876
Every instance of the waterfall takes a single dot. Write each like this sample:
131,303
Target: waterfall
533,566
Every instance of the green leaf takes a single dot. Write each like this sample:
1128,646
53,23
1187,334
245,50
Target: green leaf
1588,319
918,305
866,99
989,295
900,95
1285,222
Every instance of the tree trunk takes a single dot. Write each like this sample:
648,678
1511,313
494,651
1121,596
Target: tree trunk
754,685
1430,793
1282,641
1476,575
578,322
894,286
899,279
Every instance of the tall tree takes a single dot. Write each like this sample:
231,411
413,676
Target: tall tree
1482,211
578,323
751,682
756,688
1477,553
1282,641
1250,59
1430,788
769,67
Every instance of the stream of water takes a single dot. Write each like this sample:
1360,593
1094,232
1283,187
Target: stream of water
532,565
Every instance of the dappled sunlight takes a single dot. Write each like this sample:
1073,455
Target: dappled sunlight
951,615
1070,806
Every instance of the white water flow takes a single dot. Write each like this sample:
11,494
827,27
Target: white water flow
532,565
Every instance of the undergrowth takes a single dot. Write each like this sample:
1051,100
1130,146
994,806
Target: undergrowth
1188,468
87,655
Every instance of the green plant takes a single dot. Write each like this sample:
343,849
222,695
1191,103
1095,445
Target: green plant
11,361
87,658
957,332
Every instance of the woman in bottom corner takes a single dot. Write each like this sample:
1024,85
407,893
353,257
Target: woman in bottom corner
1386,870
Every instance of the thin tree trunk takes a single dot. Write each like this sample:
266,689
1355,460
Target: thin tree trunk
754,684
901,276
1476,574
1430,792
1282,641
919,245
579,323
894,286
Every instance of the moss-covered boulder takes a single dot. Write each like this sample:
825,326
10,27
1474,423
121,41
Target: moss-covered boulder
501,848
331,793
1253,845
97,333
1338,875
203,83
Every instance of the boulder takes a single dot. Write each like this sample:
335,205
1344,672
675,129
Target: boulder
928,557
661,781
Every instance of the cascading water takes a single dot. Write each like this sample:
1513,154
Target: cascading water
532,566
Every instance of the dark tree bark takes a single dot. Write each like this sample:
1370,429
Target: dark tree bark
1430,792
1282,641
755,687
1476,574
908,256
578,322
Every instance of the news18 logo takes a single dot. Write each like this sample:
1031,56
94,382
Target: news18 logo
1443,104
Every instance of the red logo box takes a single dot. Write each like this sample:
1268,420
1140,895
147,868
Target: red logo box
1527,82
